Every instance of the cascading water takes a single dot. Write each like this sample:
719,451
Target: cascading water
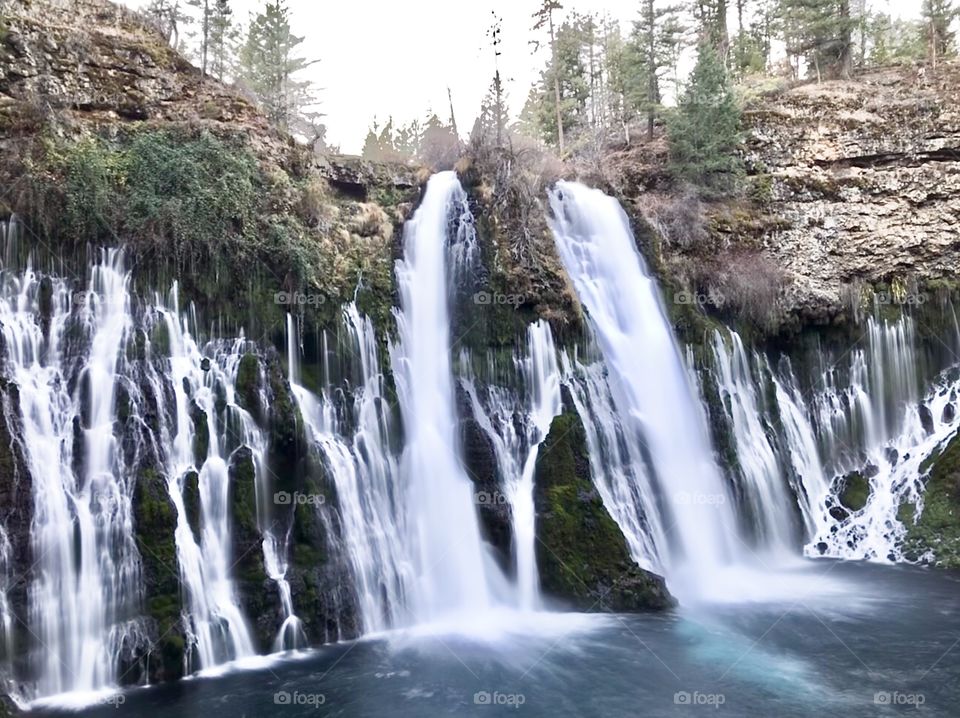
82,528
454,572
761,473
364,472
216,624
865,419
516,427
649,386
617,465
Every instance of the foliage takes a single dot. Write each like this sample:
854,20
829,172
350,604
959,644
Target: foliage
938,16
433,143
198,194
269,63
704,131
821,31
193,200
652,51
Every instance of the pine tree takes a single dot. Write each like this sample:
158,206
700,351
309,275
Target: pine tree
206,12
565,72
269,64
654,48
543,18
938,15
821,31
704,131
223,39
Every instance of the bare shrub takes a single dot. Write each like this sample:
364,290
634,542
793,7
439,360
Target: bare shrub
679,218
744,283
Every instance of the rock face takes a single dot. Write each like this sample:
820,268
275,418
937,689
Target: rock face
581,553
865,177
935,536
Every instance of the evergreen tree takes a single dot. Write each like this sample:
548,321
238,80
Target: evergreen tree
654,48
269,64
712,17
704,131
822,32
543,18
938,16
223,39
206,13
566,73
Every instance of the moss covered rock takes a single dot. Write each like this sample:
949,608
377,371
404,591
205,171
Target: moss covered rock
855,491
935,534
155,520
582,554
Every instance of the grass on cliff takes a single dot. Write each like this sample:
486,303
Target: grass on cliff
236,228
191,199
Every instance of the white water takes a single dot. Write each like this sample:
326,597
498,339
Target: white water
650,389
516,424
861,417
762,478
454,573
82,603
216,624
617,465
365,474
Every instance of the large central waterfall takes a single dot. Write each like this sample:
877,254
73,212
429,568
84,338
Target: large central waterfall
691,514
454,574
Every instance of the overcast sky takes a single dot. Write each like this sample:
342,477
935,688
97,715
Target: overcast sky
382,57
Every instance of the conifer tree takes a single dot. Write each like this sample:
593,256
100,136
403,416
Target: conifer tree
704,131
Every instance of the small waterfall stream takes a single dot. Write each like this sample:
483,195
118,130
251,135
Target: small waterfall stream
516,424
217,626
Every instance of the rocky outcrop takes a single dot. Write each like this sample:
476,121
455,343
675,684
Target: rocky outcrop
865,175
582,555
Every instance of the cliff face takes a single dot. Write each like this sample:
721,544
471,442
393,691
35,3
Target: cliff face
864,177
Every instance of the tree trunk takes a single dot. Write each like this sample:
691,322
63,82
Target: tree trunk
651,69
556,84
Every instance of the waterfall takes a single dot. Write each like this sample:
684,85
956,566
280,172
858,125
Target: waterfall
863,417
454,572
86,586
365,473
517,422
617,465
216,624
649,385
761,474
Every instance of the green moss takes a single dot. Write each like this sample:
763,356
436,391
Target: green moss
937,531
856,491
248,383
581,552
155,522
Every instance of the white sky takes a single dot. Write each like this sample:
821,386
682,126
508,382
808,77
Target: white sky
382,57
